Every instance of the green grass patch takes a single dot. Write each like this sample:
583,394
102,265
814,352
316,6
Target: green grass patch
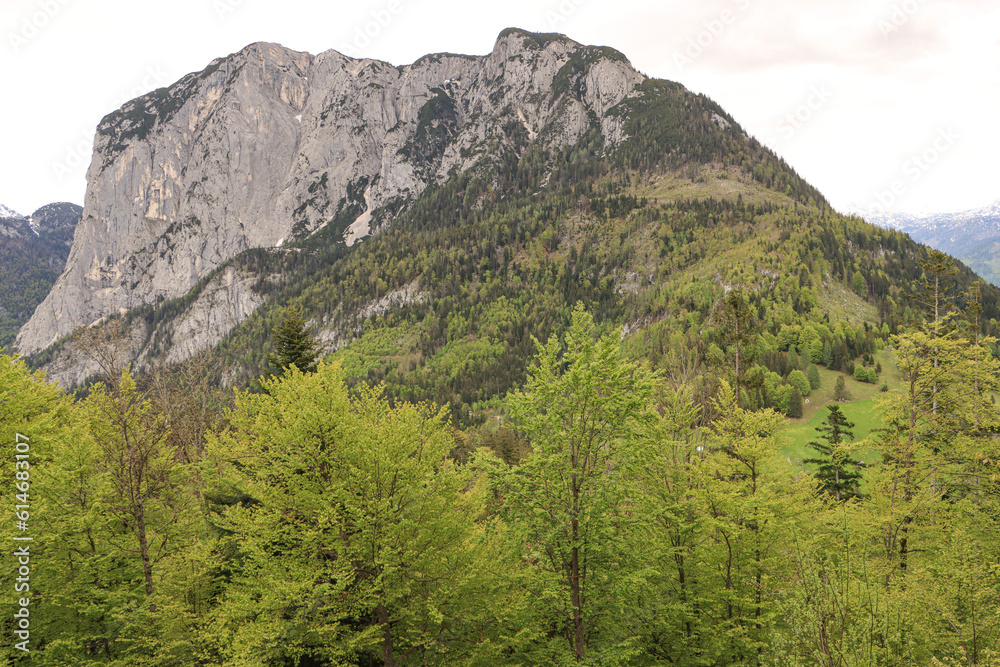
705,181
842,304
859,391
860,410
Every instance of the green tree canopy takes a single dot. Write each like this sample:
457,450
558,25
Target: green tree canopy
583,408
838,472
354,539
293,344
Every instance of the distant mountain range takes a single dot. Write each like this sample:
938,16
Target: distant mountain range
33,252
972,236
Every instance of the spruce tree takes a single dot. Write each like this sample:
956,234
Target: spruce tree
840,392
838,472
813,376
740,328
795,403
293,344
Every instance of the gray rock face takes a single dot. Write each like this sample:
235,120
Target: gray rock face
13,225
270,145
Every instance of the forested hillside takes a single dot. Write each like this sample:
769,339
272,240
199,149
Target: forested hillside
536,418
33,252
312,524
444,305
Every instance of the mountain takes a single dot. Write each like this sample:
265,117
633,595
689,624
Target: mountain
431,219
972,236
33,252
269,145
6,213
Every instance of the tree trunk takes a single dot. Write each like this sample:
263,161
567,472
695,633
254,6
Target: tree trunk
147,566
388,657
576,598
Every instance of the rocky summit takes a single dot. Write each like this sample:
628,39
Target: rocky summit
269,145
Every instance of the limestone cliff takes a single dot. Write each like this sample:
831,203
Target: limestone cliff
269,145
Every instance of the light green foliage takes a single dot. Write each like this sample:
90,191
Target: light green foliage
858,283
378,350
800,381
583,409
753,506
113,577
816,351
353,540
38,411
715,356
341,532
930,496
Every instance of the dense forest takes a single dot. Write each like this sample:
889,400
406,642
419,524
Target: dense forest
605,521
30,262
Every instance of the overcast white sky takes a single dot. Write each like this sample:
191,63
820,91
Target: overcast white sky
859,96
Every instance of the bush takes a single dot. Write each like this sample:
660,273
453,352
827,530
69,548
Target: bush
861,374
884,388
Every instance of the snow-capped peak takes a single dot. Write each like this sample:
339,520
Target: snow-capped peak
993,210
9,213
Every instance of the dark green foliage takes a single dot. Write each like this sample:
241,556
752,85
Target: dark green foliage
861,374
30,263
813,376
739,330
795,403
667,126
436,123
840,392
293,344
838,472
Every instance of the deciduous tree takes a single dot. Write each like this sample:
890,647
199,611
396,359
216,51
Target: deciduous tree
582,409
354,539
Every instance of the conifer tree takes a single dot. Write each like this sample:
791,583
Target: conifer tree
294,344
795,403
840,392
813,376
936,286
740,329
838,472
